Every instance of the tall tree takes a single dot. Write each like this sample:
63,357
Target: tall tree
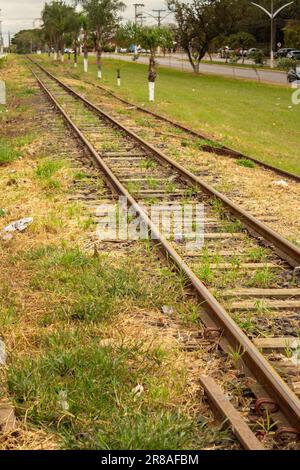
242,41
292,34
28,40
199,22
56,18
150,38
76,23
103,18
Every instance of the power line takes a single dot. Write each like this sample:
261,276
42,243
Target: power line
158,17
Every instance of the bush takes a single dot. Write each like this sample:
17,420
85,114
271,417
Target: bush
257,57
108,49
286,64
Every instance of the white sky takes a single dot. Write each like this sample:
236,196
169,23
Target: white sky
20,14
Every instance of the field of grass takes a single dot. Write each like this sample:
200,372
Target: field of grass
257,119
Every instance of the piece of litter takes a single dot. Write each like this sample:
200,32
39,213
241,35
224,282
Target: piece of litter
138,390
19,225
281,183
62,401
167,310
3,355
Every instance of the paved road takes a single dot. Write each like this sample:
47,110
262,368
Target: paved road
224,70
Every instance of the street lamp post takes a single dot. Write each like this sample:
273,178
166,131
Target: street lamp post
272,15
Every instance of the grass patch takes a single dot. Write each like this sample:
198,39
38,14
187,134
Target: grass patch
8,153
246,163
48,168
263,278
86,393
81,390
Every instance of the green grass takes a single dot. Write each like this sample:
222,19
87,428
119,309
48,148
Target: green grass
97,383
246,163
48,168
82,390
8,153
255,118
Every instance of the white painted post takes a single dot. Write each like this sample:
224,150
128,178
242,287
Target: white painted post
99,74
2,92
85,65
151,91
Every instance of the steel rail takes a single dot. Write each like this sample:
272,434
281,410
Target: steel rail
222,150
253,360
285,249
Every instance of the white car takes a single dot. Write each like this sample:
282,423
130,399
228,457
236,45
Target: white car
293,54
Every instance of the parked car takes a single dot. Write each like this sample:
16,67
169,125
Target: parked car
241,52
294,55
123,50
251,51
283,52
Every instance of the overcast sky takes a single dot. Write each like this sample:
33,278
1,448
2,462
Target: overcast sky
20,14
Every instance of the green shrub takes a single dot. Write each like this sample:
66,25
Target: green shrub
286,64
257,57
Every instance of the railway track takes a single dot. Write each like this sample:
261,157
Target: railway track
246,275
207,144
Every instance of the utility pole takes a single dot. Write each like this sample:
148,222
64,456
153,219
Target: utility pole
158,17
136,13
1,36
142,20
272,15
137,16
